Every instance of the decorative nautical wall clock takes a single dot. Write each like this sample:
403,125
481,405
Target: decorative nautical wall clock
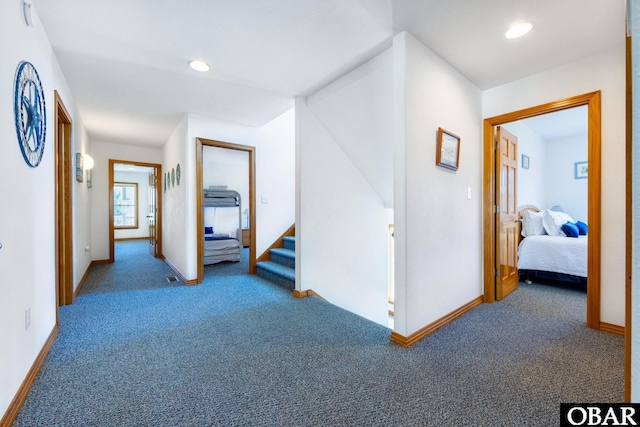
30,114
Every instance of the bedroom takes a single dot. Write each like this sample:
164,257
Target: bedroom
225,181
552,175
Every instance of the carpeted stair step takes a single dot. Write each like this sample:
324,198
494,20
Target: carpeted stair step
283,256
290,242
277,273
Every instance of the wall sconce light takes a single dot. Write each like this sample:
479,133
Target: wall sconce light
26,13
88,165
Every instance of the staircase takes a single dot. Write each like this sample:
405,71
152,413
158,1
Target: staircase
281,269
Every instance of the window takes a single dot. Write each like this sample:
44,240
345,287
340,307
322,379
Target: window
125,205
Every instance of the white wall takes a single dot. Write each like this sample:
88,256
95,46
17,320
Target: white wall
345,181
102,152
202,127
531,182
142,179
178,226
562,188
342,225
438,229
275,178
275,169
550,181
81,199
27,228
356,110
604,72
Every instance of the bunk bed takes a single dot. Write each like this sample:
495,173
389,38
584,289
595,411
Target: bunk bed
219,247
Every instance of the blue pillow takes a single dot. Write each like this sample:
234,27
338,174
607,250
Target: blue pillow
570,229
208,230
582,228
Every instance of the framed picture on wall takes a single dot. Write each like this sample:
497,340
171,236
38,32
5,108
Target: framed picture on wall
79,167
448,150
580,170
525,161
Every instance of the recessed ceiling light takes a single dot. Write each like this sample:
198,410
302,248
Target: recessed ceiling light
199,65
518,30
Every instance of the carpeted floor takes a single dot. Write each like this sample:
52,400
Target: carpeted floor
136,350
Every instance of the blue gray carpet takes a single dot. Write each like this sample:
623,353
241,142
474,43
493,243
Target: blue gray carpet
136,350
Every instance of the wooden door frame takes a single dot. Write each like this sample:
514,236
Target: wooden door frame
63,206
200,143
628,220
158,167
592,101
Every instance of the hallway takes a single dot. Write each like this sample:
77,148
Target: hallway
136,350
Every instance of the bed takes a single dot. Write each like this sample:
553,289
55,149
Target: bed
542,256
219,247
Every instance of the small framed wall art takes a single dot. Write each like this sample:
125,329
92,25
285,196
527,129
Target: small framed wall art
448,150
580,170
79,167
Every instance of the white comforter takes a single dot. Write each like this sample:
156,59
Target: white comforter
558,254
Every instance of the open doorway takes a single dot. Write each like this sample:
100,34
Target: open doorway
135,202
247,220
63,208
492,200
551,149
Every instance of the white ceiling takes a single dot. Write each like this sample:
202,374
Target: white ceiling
126,60
561,124
127,167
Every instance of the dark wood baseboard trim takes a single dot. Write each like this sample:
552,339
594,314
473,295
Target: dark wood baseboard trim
611,328
17,402
279,243
307,293
101,261
179,274
431,328
300,294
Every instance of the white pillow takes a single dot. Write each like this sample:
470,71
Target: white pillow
532,224
553,222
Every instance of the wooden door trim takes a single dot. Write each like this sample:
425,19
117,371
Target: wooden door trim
628,220
592,100
158,168
63,206
200,143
